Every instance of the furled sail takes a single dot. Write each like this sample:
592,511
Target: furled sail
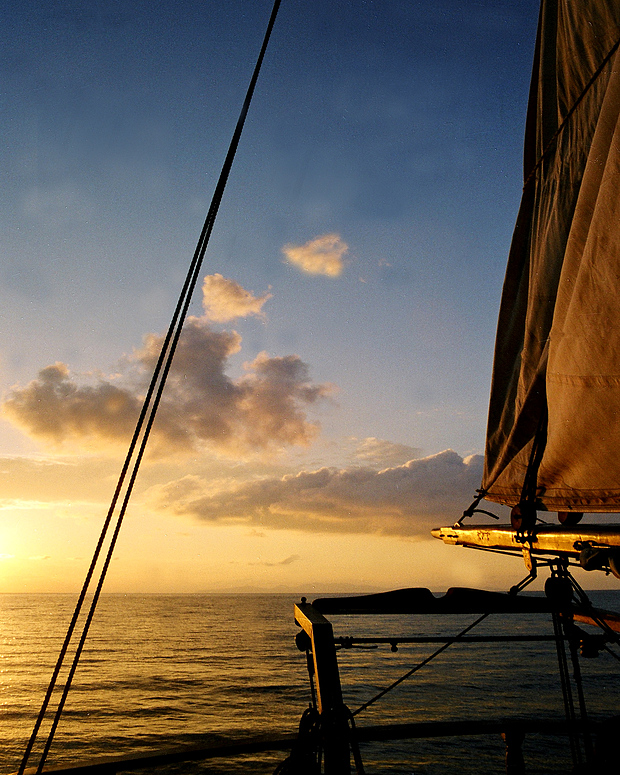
556,375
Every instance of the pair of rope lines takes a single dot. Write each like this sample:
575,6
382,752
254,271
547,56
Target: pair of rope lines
141,433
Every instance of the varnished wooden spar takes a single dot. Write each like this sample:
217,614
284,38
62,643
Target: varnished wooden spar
320,640
544,539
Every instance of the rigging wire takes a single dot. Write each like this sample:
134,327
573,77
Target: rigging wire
420,665
137,447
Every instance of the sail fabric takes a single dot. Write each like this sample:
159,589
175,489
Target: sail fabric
557,356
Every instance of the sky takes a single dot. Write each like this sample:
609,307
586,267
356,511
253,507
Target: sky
327,405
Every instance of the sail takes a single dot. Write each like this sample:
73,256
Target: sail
556,374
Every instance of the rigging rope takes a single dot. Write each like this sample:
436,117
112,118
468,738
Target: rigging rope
567,697
573,108
571,633
523,515
413,670
137,447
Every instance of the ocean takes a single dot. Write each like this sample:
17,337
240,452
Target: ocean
162,671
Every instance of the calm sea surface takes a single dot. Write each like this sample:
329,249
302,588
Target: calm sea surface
170,670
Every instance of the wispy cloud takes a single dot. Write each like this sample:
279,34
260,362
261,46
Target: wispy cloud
402,500
322,255
225,300
286,561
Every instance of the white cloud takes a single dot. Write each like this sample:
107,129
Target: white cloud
225,300
373,451
322,255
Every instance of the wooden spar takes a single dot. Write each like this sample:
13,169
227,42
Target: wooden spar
596,547
320,632
334,724
543,539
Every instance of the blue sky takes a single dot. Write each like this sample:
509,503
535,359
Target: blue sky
393,129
